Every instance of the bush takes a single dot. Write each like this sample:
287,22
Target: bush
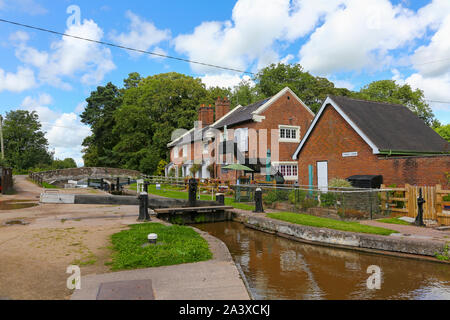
296,196
309,203
339,183
328,199
275,196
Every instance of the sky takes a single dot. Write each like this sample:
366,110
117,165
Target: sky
351,42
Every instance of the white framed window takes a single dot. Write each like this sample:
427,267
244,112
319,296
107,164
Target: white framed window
205,148
289,170
176,152
289,133
185,150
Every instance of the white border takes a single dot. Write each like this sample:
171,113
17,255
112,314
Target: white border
346,118
297,140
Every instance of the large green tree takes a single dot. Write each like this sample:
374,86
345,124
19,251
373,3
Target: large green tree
99,115
390,91
444,132
311,90
150,112
25,143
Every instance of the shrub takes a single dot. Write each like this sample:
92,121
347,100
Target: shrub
328,199
275,196
296,196
339,183
309,203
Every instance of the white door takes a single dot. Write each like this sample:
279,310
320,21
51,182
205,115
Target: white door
322,175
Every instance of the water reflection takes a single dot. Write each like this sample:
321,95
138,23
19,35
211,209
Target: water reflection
278,268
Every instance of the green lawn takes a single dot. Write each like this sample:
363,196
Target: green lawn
178,244
313,221
168,192
394,221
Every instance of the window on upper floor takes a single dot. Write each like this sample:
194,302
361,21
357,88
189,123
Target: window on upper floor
289,133
175,152
185,151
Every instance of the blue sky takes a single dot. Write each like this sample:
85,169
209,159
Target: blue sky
351,42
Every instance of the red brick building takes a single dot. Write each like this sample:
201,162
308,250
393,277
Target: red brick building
262,135
356,137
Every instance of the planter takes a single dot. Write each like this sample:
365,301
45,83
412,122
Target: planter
446,205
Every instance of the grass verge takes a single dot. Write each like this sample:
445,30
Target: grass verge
176,245
168,192
320,222
394,221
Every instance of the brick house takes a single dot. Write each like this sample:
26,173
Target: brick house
262,136
356,137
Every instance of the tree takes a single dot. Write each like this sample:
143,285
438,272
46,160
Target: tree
150,112
99,115
160,171
311,90
390,91
67,163
25,142
444,132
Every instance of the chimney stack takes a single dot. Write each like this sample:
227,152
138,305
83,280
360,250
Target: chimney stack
222,107
206,115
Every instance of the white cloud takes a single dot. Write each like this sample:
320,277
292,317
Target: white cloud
20,81
224,80
80,107
64,131
69,57
142,35
361,34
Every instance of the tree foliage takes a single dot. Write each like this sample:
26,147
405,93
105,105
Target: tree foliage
390,91
444,132
24,142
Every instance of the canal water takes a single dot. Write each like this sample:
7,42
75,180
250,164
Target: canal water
278,268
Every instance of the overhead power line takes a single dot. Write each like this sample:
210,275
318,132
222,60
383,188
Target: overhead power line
125,48
167,56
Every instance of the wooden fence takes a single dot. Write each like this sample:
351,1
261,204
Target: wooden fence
403,202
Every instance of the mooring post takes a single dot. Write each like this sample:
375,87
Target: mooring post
146,183
420,202
192,192
143,207
102,184
220,198
258,201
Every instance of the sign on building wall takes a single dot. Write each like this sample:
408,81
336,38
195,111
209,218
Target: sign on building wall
349,154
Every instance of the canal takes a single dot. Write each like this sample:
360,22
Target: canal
278,268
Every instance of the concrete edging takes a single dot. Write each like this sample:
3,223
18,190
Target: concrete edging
412,248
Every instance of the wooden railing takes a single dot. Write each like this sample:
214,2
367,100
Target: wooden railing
403,202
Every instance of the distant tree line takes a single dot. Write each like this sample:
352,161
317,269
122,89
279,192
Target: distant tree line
132,125
25,145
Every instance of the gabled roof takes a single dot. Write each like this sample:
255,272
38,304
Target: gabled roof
251,112
387,128
189,136
240,114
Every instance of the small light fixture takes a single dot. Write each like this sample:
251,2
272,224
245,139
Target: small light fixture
152,238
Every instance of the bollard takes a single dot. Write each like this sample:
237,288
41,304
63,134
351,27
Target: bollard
192,192
146,186
143,208
102,184
220,198
89,182
118,184
419,218
258,201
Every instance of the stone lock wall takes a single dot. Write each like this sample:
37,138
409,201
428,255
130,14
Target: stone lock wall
82,173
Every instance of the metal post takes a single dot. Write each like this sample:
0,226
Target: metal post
101,184
420,202
192,192
220,198
146,186
258,201
143,207
118,184
89,182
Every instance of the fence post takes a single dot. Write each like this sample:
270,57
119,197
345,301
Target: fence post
439,200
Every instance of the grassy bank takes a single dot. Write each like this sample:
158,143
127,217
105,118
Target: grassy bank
394,221
169,192
44,184
313,221
177,245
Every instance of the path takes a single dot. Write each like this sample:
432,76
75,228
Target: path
412,231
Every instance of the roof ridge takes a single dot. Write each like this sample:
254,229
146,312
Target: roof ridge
363,100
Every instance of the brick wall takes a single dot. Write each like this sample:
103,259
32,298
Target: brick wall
333,136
